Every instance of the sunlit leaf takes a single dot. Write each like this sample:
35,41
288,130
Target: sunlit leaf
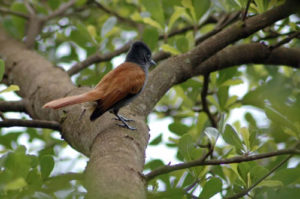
47,165
231,137
170,49
211,187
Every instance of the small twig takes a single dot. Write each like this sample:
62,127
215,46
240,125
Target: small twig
60,11
29,8
205,106
246,10
97,57
2,116
169,168
223,22
18,14
13,106
286,40
246,191
273,34
210,19
188,188
200,162
31,123
119,17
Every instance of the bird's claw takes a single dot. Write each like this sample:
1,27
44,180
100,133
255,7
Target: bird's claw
124,125
123,118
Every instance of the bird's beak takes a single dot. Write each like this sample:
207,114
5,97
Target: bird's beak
152,62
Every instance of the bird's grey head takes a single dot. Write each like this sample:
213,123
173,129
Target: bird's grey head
140,54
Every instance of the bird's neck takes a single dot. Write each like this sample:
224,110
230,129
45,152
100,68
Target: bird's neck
144,66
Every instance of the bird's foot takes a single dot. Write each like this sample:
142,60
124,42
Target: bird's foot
125,125
122,118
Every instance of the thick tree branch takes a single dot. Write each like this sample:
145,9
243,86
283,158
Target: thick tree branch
18,14
116,154
30,123
222,23
256,53
246,191
200,162
13,106
179,68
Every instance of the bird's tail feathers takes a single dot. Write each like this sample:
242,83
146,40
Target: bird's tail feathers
71,100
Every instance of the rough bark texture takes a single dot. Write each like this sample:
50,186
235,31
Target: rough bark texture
117,155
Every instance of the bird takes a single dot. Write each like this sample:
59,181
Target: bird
117,88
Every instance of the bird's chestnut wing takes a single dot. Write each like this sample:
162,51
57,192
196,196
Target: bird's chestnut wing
127,79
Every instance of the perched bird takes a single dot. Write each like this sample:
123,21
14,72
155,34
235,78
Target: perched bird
117,88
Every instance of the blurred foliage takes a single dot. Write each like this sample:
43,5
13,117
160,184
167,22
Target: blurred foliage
26,172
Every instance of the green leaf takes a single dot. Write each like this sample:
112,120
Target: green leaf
47,165
212,187
178,12
108,25
16,184
231,137
182,44
2,69
232,82
270,183
178,128
170,49
18,162
10,89
189,5
288,176
201,7
54,4
156,10
18,22
81,35
246,137
150,37
156,140
153,23
185,146
257,172
212,134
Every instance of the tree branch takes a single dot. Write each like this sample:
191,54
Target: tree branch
31,123
256,53
246,10
205,106
246,191
97,57
200,162
18,14
119,17
181,67
60,11
13,106
223,22
286,40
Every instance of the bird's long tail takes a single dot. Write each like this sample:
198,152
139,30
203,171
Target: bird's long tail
71,100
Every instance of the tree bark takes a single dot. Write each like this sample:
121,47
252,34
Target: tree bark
117,155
